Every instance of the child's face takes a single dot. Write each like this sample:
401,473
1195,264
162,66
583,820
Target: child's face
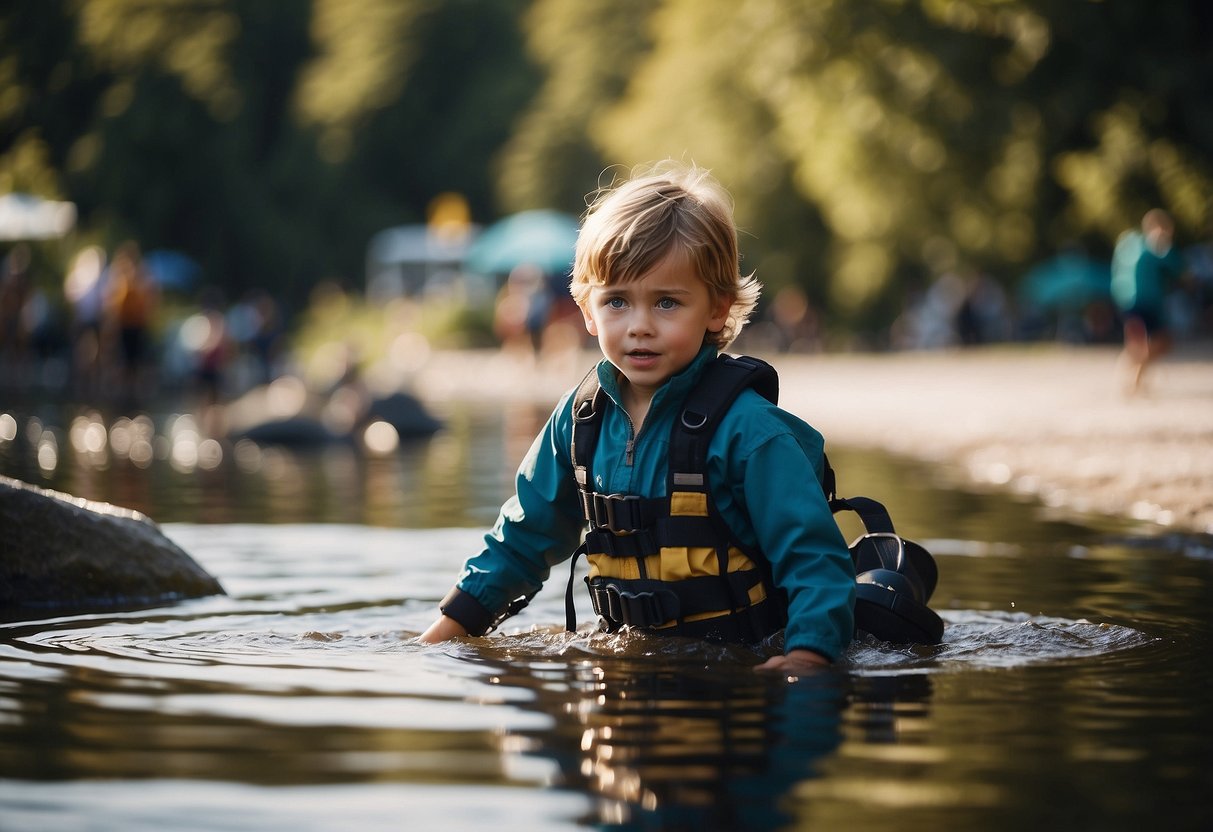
653,327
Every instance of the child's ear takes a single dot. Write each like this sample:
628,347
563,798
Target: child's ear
590,326
721,304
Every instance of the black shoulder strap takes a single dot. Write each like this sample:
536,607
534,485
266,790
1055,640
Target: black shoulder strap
587,420
721,383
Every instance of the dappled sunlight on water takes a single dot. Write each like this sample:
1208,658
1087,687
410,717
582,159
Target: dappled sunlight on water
1071,681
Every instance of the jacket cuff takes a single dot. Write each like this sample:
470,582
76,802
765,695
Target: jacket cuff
470,613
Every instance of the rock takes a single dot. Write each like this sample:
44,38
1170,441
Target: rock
294,432
287,414
406,414
60,553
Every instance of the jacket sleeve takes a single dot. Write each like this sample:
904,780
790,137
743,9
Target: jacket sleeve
776,465
536,528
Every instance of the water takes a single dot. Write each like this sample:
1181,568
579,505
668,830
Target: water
1071,690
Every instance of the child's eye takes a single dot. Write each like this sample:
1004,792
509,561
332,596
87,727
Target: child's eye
615,303
667,303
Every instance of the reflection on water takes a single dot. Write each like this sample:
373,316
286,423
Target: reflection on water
165,469
1070,690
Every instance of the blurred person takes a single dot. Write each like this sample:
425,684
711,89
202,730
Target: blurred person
131,303
1145,265
522,310
984,317
15,292
656,276
929,319
795,321
212,349
42,332
564,331
254,324
84,290
268,337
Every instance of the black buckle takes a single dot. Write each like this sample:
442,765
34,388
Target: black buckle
620,513
585,412
636,609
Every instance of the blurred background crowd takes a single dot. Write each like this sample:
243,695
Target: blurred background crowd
201,197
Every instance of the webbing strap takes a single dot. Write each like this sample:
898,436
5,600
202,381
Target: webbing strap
570,608
721,383
663,533
587,420
650,603
874,515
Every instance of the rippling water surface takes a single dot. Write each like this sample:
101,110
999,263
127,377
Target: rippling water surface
1071,690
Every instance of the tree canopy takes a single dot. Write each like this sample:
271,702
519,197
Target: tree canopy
868,145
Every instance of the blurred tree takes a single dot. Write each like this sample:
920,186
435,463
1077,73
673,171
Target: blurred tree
46,95
924,136
893,130
269,140
869,145
456,109
588,52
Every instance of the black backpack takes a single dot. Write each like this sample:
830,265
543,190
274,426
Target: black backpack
895,577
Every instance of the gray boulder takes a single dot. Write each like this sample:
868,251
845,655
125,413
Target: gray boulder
60,553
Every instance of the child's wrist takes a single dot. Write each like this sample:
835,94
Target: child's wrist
803,654
470,614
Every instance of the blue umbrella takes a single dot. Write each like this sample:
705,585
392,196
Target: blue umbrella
172,270
541,238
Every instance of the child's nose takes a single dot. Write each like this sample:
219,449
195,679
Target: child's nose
640,322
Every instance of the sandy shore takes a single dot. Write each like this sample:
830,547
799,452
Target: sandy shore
1048,420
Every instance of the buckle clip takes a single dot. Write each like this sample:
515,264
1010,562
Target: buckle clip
636,609
617,512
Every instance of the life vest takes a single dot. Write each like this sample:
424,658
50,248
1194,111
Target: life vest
671,564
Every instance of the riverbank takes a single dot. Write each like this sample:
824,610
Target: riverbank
1050,421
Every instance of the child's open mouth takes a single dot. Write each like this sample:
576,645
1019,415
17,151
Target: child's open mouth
642,358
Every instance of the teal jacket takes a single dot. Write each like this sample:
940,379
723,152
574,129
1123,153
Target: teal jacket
1141,279
764,467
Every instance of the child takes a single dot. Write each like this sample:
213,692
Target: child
657,279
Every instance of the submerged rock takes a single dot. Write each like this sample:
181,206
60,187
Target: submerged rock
406,414
295,432
287,414
63,553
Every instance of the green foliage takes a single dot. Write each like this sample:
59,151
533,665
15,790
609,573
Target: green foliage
869,145
870,142
268,140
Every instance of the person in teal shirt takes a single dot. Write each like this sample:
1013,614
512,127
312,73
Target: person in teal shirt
1145,267
656,276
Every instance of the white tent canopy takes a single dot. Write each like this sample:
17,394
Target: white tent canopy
29,217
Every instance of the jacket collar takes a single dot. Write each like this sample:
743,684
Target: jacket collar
673,392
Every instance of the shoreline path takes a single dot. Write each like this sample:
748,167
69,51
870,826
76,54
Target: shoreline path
1051,421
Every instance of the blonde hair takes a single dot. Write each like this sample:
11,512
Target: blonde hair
631,227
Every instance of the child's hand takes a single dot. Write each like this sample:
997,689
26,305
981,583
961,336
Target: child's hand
794,663
444,629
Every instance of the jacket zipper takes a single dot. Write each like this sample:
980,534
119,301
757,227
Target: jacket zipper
630,447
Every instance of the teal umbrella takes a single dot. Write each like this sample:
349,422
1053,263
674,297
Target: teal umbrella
1069,281
541,238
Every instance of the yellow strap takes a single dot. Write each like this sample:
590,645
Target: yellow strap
689,504
675,563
